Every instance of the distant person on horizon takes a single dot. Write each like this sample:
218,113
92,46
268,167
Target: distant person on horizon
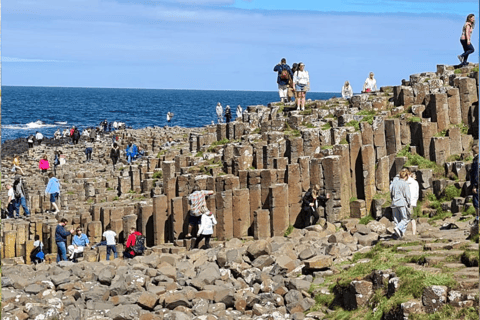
347,91
66,134
219,111
239,112
228,114
115,125
92,134
75,135
465,39
169,116
39,137
284,76
301,80
370,84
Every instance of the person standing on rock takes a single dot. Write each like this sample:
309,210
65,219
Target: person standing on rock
301,80
39,137
20,200
79,242
239,112
61,235
92,134
370,84
205,230
131,240
110,237
53,189
88,150
198,206
37,255
43,164
465,39
228,114
401,199
75,135
115,154
10,201
219,111
30,141
311,202
284,75
347,91
414,194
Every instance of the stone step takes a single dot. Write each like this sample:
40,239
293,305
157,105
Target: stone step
466,284
418,267
434,260
470,273
446,246
454,265
410,248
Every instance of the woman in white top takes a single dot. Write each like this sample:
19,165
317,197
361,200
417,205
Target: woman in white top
347,91
206,229
414,193
219,111
301,80
239,112
370,84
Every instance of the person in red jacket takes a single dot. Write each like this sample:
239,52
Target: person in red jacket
131,242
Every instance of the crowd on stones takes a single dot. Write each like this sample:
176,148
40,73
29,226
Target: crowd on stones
227,113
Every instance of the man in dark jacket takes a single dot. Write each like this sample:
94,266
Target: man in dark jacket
311,201
474,178
61,239
283,78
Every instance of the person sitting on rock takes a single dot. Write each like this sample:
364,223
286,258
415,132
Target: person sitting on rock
79,242
347,91
311,201
131,152
370,84
205,230
198,206
37,255
131,240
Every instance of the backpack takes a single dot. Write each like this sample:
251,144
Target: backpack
139,246
17,189
284,75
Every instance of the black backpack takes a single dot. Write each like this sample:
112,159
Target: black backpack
139,246
17,189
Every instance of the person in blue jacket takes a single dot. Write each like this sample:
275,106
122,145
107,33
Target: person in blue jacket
61,239
79,242
285,74
53,189
131,152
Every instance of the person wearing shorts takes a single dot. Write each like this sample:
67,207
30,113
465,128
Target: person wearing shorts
53,188
198,207
301,80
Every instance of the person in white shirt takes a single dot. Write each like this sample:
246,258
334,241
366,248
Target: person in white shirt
239,112
301,80
219,111
414,193
205,230
347,91
370,84
39,137
35,257
110,237
10,201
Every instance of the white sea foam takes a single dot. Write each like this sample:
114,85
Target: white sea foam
29,126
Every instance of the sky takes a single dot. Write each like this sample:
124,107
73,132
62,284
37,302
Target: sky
227,44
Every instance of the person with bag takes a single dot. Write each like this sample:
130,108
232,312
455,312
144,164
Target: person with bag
284,75
19,192
198,206
401,199
301,80
130,251
206,229
37,255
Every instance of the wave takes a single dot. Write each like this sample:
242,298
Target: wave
30,125
60,122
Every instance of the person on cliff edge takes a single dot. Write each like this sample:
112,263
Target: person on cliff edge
301,80
284,76
219,111
465,39
370,84
311,201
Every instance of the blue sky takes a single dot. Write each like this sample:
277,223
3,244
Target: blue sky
226,44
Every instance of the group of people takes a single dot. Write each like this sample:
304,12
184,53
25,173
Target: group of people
32,138
292,83
227,113
370,85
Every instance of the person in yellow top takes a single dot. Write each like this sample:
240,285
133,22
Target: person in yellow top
16,164
465,39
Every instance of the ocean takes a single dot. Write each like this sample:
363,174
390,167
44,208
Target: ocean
26,110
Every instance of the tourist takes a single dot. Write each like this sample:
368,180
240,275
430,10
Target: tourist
370,84
56,161
291,86
239,112
401,199
92,135
57,135
205,230
115,154
61,239
414,194
169,116
110,237
131,152
39,137
284,75
198,206
43,164
131,241
219,111
66,133
10,201
347,91
20,200
79,242
86,133
301,80
105,125
75,136
30,141
474,178
311,201
71,131
465,39
53,189
88,150
115,125
110,126
37,255
16,164
228,114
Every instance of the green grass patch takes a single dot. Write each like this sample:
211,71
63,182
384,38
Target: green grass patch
457,71
344,141
463,128
366,219
256,131
157,175
448,312
454,157
451,192
326,147
469,212
442,133
288,231
366,113
308,125
199,154
353,123
414,119
115,198
326,126
217,143
161,153
475,69
330,116
368,119
421,162
71,192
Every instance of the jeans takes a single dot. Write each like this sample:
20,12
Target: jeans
62,251
308,213
88,153
467,48
129,158
400,218
11,208
127,254
23,203
475,200
111,248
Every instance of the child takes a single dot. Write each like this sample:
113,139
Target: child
206,228
37,254
414,193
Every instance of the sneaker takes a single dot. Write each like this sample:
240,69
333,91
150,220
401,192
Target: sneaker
460,57
398,232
